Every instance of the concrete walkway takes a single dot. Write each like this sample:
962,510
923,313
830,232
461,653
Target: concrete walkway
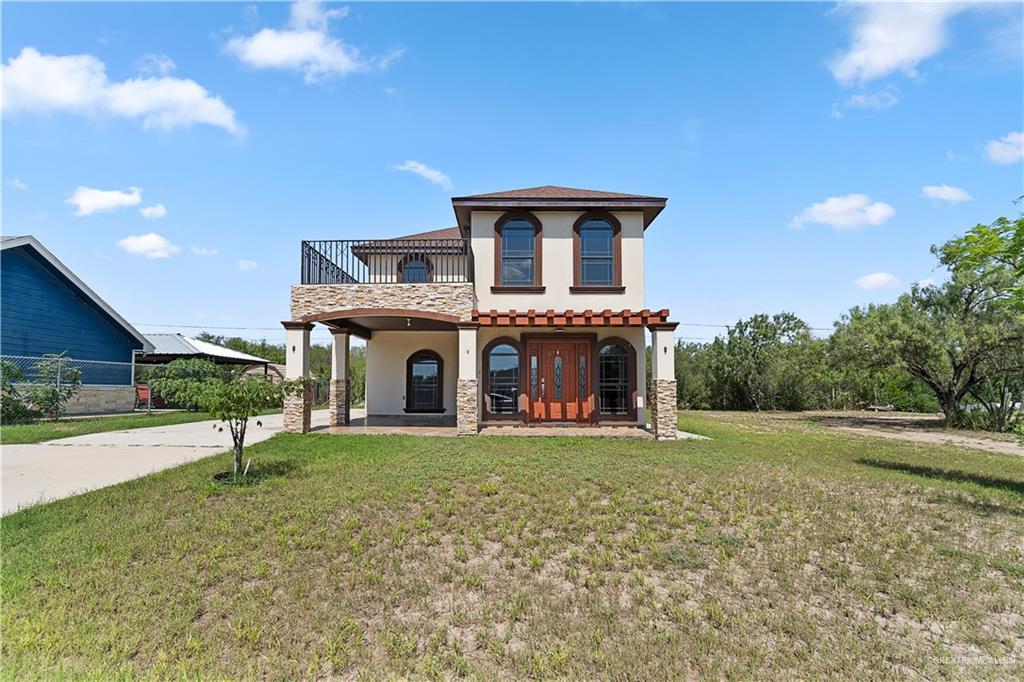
68,466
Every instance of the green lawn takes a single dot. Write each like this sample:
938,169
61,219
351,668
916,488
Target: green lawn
776,550
37,432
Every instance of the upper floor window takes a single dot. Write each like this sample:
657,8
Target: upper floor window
413,269
597,250
517,244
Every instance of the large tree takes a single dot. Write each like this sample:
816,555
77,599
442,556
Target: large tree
953,337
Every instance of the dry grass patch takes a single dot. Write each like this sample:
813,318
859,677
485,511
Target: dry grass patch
764,553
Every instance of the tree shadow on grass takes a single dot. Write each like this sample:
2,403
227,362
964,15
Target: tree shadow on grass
947,475
978,506
258,473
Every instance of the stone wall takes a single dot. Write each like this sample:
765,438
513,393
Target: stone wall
338,403
662,404
467,417
451,299
297,410
103,400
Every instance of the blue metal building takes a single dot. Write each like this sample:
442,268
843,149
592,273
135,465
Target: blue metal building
45,308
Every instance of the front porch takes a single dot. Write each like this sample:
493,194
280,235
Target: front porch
432,373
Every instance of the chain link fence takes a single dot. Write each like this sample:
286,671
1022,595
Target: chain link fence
33,369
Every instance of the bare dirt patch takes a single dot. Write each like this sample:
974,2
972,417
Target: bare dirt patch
919,428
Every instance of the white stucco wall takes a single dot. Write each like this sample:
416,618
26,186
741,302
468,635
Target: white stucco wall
557,265
386,356
634,335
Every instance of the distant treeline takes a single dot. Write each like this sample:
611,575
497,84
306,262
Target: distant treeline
319,359
956,346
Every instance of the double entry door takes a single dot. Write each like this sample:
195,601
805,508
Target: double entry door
560,379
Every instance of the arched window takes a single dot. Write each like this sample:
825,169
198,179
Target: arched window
616,379
597,249
414,269
501,374
517,252
424,377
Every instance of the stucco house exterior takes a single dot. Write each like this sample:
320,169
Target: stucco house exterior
531,310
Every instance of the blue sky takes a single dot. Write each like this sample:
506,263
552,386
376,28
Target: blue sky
795,141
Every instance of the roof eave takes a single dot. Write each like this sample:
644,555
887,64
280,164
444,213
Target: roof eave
650,206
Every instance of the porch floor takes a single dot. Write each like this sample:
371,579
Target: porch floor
444,425
410,425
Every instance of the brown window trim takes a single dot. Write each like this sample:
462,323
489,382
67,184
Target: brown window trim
616,285
518,290
522,399
537,250
440,383
630,368
412,257
602,289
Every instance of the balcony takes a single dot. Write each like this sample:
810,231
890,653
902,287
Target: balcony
387,261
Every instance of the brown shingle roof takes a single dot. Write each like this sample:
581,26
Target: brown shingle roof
555,192
443,233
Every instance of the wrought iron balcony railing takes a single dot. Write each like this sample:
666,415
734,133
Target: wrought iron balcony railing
386,261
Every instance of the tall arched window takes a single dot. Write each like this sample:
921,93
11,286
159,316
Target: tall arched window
413,269
424,377
502,372
597,251
517,252
616,379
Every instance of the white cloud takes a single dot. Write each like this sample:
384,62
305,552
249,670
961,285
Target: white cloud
877,280
305,45
953,195
154,211
87,200
849,212
246,265
155,65
1006,150
879,100
151,245
16,184
426,172
78,84
889,37
953,156
926,282
200,251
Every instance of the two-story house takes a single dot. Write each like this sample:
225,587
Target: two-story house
530,310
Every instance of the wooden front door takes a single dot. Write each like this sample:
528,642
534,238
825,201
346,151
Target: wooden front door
559,380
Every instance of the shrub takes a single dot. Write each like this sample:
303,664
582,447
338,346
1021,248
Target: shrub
13,408
56,382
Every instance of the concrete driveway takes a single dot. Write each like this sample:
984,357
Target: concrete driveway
68,466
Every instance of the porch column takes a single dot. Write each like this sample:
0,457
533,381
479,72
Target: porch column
339,400
662,401
467,397
297,407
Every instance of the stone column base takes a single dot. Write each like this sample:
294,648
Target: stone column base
466,400
297,410
338,403
663,408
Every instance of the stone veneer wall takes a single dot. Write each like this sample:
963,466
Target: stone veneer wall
338,402
466,416
297,410
451,299
103,400
662,404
